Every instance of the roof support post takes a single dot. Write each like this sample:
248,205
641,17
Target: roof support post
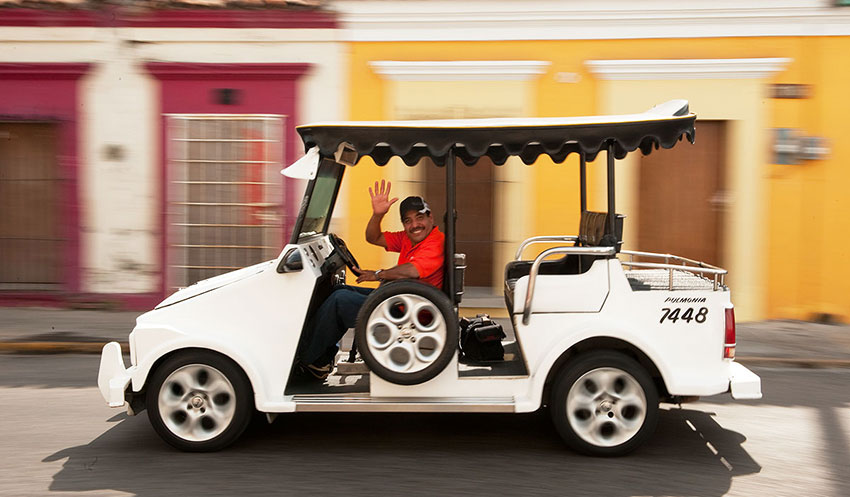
611,230
451,217
582,175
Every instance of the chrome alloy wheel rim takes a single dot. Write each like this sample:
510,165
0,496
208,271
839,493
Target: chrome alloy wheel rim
406,333
197,402
606,407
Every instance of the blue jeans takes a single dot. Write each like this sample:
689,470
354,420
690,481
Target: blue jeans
332,319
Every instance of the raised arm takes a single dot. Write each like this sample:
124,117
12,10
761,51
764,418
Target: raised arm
381,204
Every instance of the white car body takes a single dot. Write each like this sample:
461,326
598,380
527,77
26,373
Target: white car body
255,317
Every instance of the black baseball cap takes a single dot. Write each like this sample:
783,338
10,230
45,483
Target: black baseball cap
413,203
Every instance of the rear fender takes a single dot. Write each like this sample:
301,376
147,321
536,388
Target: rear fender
612,340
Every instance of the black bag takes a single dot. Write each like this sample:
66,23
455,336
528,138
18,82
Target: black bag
481,339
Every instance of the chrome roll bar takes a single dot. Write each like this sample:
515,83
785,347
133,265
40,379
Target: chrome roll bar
535,267
542,239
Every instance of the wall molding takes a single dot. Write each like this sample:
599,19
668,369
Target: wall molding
241,71
649,69
43,70
174,18
469,20
471,70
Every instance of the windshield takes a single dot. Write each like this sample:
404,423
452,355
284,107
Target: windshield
318,200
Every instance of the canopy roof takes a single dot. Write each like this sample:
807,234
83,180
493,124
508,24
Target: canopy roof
663,125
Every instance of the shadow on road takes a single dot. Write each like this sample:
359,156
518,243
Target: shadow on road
409,454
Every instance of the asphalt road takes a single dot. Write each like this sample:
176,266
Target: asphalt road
59,438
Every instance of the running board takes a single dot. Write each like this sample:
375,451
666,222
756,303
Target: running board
364,403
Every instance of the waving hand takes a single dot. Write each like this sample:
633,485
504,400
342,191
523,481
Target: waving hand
381,200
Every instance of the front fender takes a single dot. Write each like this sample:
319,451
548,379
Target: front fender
159,342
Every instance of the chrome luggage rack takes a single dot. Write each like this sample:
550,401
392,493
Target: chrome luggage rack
684,274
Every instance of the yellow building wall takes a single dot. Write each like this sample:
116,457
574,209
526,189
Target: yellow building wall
810,270
796,248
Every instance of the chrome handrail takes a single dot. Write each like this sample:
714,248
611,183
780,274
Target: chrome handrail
668,257
535,267
542,239
697,267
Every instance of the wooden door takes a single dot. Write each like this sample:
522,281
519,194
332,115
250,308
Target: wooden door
474,228
31,243
682,197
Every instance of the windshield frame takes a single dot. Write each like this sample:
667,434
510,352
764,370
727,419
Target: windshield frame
325,165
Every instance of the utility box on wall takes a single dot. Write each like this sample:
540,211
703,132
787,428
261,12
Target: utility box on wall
791,147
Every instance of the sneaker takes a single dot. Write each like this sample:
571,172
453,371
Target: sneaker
319,372
311,372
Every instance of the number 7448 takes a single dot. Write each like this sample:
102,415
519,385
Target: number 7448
673,314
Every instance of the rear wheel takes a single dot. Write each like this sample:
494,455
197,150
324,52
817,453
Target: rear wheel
199,401
604,404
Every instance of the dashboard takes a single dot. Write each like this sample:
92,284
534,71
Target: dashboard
316,250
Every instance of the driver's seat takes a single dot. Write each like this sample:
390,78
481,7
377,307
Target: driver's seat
458,265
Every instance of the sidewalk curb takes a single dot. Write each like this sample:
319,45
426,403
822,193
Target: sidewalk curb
793,362
57,347
97,347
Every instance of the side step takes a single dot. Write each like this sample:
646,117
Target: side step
364,403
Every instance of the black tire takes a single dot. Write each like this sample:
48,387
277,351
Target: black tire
173,381
597,423
421,367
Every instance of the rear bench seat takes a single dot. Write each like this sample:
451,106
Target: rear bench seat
591,230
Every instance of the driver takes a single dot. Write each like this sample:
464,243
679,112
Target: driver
421,255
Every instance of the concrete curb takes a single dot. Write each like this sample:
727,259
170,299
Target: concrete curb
793,362
57,347
97,347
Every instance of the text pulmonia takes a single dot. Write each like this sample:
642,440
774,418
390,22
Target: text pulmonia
684,300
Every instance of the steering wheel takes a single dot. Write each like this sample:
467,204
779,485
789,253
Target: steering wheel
344,254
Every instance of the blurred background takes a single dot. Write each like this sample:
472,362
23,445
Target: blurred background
141,141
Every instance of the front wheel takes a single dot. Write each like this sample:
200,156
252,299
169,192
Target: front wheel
604,404
199,401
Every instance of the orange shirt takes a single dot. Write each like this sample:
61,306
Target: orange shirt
426,256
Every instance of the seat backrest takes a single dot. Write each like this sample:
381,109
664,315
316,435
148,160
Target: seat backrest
459,267
456,264
591,229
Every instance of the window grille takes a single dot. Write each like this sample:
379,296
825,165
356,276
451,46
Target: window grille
225,194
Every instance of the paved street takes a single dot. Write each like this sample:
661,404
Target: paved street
60,439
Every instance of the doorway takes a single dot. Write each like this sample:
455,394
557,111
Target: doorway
474,228
683,197
31,239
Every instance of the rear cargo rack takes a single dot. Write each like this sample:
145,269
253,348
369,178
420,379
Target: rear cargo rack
675,273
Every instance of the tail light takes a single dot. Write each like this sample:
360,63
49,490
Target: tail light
729,338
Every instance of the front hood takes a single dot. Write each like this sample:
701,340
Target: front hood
211,284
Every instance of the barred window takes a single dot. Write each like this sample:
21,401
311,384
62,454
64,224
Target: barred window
225,194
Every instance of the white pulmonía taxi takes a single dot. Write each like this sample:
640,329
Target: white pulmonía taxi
602,334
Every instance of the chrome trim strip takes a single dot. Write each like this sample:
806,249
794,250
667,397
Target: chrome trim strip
366,403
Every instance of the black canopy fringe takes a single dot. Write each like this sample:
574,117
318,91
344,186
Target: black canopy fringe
412,143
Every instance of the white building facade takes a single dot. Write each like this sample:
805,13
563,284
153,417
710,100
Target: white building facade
140,149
